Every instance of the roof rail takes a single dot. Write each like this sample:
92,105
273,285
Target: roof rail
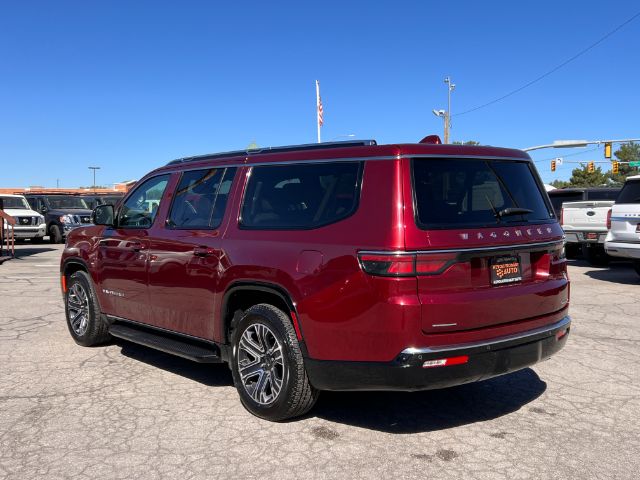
286,148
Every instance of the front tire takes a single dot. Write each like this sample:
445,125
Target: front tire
84,318
595,255
55,234
268,367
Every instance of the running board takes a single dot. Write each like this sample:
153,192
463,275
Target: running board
191,350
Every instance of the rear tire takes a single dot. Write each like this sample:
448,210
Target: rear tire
571,250
268,367
84,318
595,255
55,234
636,266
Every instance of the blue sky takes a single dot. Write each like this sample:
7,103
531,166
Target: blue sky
128,86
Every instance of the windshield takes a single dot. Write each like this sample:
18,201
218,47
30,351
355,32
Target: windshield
67,201
630,192
454,193
15,202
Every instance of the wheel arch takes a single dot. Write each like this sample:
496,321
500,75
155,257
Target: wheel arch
243,294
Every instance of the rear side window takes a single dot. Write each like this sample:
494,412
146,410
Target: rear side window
301,196
201,198
630,193
456,193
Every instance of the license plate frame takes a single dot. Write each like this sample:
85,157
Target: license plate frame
591,236
505,270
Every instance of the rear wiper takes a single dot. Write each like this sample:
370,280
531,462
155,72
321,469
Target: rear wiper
505,212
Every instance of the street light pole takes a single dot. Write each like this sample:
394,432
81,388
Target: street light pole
578,143
446,114
94,176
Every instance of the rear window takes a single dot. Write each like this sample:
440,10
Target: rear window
301,196
557,199
603,194
630,193
454,193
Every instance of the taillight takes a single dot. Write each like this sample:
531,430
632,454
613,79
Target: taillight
609,220
406,264
562,216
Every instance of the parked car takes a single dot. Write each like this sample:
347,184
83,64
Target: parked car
29,224
62,213
623,239
575,239
343,266
585,228
93,200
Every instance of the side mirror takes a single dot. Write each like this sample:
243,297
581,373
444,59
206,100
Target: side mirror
103,215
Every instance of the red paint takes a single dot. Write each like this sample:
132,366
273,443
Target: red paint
345,312
296,326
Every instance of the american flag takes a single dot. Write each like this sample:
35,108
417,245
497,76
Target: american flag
320,120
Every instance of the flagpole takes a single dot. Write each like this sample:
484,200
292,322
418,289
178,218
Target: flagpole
318,108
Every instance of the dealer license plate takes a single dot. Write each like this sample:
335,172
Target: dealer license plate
505,270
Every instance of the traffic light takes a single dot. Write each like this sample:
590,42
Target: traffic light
591,167
553,165
615,168
607,150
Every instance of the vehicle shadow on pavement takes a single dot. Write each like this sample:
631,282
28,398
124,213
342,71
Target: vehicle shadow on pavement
212,375
415,412
618,272
29,251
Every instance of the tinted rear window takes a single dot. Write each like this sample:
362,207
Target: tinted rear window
630,192
301,196
454,193
603,194
557,199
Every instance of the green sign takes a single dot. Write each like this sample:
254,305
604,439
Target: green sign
634,164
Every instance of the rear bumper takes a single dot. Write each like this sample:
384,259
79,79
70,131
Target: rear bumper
623,249
581,237
406,373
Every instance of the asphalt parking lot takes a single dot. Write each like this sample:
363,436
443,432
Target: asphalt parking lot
122,411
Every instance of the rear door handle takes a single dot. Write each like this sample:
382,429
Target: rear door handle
203,251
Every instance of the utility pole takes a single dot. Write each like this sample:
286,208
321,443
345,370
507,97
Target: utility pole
94,176
447,125
446,114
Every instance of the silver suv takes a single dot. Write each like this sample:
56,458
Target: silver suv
623,239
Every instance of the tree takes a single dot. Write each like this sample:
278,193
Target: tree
560,183
580,177
629,152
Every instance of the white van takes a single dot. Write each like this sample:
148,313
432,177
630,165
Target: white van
29,224
623,239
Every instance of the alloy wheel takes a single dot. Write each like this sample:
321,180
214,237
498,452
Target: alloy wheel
261,364
78,305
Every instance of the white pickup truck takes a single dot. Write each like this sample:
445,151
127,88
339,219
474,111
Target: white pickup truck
623,239
585,226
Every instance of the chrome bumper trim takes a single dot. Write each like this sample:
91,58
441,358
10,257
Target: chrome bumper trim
565,322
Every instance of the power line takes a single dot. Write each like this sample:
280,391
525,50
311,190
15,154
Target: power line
553,70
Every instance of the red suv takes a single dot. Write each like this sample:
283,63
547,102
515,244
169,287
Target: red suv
343,266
